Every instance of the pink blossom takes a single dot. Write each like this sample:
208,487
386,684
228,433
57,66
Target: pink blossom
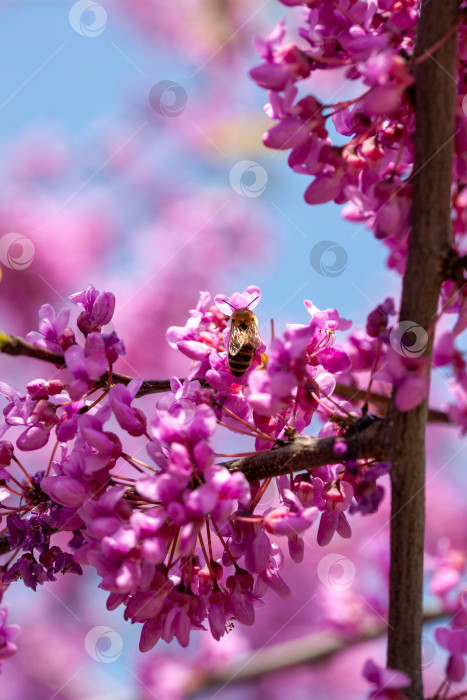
98,309
6,452
455,641
390,77
377,321
250,298
8,634
409,375
337,496
130,418
53,333
387,681
86,364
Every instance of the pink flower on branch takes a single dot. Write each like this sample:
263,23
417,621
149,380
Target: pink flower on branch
388,682
86,364
98,309
455,641
8,635
184,541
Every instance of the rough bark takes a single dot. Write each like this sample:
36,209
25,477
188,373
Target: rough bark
306,453
430,241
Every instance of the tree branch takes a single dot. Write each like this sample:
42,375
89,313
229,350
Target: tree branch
429,244
14,345
308,650
305,453
352,394
300,454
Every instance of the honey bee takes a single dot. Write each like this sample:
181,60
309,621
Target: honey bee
244,339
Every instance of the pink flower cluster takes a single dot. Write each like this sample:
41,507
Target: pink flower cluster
454,640
391,354
372,44
8,634
181,542
447,355
387,682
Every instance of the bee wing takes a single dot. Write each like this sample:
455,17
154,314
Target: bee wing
237,338
254,337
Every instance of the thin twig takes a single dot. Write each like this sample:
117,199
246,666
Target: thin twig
14,345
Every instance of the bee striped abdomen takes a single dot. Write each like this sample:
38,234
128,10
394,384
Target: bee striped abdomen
244,340
240,362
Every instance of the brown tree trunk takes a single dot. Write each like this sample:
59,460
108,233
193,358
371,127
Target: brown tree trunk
430,239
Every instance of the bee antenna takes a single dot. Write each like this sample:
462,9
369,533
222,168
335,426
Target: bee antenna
226,302
252,301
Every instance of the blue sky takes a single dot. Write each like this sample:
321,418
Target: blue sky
51,73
